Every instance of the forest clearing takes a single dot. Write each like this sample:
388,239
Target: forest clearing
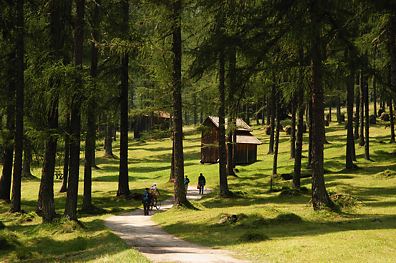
275,227
267,127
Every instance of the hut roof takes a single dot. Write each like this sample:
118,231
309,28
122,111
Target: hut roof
241,125
247,139
163,114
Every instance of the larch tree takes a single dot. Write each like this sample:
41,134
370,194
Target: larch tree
75,119
123,180
19,102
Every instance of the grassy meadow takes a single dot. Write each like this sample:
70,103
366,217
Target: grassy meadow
271,226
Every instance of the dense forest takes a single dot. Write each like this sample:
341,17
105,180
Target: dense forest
75,72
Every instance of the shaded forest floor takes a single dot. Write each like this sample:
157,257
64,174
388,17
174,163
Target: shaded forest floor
270,227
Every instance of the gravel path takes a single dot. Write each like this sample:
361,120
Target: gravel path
141,232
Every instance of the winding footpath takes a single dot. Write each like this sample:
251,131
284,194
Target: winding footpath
142,233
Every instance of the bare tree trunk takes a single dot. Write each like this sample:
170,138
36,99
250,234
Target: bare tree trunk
293,128
350,147
180,192
75,119
271,142
27,159
338,110
357,115
123,180
366,115
66,159
392,121
320,196
310,121
19,87
90,139
361,109
275,160
221,135
8,146
300,123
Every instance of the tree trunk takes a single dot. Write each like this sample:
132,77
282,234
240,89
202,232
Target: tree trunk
293,128
320,196
392,121
109,139
91,115
271,142
180,192
269,107
300,122
66,159
299,139
310,121
366,115
275,160
221,135
329,113
361,109
392,53
357,115
172,170
195,110
46,203
123,180
338,110
72,190
375,96
8,147
19,87
27,159
350,147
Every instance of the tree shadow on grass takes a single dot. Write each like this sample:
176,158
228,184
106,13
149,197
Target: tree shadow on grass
230,234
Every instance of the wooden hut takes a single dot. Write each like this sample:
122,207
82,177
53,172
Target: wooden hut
246,143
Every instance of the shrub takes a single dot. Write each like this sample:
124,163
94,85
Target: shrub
287,218
343,200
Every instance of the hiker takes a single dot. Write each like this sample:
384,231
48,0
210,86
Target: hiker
201,183
186,182
154,192
154,195
146,201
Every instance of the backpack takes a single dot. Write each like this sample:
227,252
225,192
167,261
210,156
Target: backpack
146,197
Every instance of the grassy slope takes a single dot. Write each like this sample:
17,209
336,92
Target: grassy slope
364,233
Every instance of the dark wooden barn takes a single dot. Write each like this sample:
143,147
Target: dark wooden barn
246,143
155,120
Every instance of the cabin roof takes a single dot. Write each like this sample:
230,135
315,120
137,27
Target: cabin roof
247,139
241,125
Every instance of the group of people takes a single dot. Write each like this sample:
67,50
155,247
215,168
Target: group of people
151,195
201,183
150,198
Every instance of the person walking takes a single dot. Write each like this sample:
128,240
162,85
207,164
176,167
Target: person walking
146,201
186,182
201,183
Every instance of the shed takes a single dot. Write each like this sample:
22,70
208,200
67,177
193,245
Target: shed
246,143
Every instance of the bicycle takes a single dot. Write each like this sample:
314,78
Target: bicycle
155,202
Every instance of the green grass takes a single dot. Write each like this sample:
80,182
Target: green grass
271,228
279,228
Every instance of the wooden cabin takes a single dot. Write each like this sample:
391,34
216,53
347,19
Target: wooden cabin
155,120
246,143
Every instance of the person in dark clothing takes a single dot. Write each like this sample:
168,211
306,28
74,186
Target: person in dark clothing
201,183
186,182
146,201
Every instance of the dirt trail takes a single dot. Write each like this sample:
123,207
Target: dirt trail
141,232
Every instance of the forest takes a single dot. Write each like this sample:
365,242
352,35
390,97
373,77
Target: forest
102,98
